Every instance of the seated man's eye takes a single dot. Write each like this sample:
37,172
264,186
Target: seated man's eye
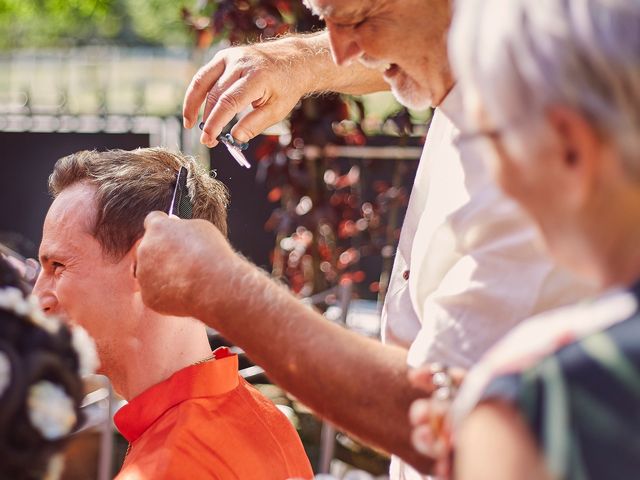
56,266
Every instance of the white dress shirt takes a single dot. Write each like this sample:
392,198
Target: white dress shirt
469,264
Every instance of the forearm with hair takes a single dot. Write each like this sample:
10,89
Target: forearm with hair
314,55
355,382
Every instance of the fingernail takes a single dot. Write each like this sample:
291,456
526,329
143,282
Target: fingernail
417,411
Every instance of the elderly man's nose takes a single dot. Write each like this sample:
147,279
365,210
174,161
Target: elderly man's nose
344,45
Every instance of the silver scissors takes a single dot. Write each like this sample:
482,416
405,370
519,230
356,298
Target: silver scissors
235,147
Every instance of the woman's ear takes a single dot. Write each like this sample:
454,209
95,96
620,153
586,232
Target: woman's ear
580,150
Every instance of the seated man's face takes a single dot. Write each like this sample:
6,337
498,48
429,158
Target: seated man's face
77,282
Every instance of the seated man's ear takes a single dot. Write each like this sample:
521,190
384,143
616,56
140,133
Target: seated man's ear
133,253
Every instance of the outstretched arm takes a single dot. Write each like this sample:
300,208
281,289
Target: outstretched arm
188,268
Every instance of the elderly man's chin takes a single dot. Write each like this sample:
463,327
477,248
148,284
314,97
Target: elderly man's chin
408,93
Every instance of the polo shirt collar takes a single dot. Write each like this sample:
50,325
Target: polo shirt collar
209,379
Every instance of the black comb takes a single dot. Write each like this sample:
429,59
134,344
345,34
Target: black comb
180,204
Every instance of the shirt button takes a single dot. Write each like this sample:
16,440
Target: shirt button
405,274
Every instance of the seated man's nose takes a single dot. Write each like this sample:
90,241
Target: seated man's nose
47,301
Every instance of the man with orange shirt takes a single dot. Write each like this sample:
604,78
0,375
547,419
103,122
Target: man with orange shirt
189,414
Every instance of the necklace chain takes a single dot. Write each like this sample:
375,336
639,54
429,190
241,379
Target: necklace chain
204,360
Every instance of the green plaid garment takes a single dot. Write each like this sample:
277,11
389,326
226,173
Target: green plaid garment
582,403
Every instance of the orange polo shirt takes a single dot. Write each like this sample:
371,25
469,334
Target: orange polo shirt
207,422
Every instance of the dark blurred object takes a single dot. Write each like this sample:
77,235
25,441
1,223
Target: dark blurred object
81,456
26,268
28,160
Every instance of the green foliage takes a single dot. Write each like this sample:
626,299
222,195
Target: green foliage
159,21
60,23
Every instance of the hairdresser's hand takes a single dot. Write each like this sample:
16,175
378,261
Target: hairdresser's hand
181,264
269,76
431,435
430,418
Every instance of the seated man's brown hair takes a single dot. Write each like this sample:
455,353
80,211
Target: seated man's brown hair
130,184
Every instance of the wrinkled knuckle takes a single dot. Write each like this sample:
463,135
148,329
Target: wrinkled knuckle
245,132
228,102
198,80
255,65
243,54
240,58
212,96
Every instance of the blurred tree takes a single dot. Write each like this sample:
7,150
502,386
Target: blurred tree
66,23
